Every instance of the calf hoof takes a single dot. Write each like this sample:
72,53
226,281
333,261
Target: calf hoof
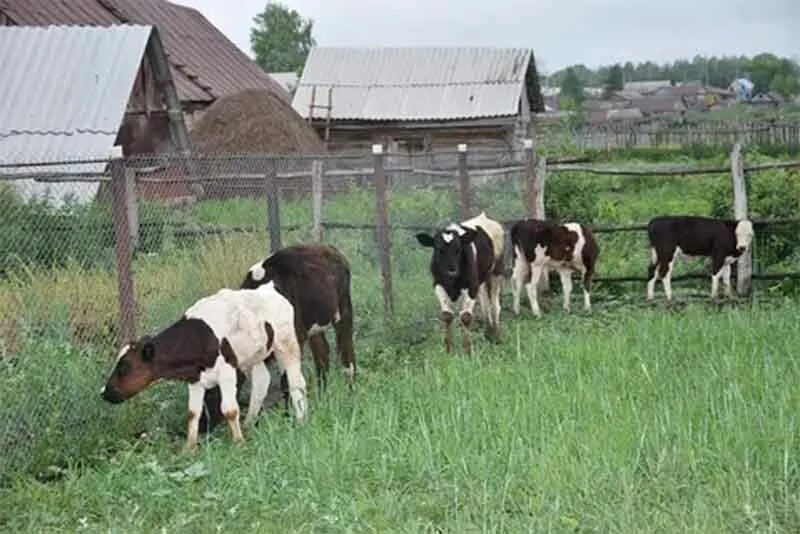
493,334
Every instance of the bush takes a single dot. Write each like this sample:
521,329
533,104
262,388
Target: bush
773,194
36,232
571,198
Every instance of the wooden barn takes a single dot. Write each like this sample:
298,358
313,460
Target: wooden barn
414,100
74,92
205,65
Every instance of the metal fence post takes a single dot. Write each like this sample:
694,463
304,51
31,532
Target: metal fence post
120,205
317,185
384,246
463,176
744,274
273,208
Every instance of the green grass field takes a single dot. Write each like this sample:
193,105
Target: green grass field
634,419
631,420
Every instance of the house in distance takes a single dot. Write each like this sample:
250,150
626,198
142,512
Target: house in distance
414,100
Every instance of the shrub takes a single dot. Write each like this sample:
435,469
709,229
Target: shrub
37,232
773,194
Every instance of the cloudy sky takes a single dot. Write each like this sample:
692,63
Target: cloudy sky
561,32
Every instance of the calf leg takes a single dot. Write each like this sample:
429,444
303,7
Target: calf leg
486,310
344,346
259,385
533,288
497,282
726,277
196,394
652,274
467,310
566,286
288,355
587,287
519,277
717,272
230,406
446,315
321,351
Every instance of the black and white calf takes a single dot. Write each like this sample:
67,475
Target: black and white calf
723,240
467,263
543,245
230,331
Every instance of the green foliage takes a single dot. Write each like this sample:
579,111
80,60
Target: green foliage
766,71
771,194
572,87
281,38
571,197
36,232
615,80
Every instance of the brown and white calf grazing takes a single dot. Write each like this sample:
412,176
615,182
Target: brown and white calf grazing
316,281
218,335
723,240
543,245
467,263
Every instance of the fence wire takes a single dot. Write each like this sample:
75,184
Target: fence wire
196,223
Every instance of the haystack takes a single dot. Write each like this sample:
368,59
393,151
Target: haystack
254,121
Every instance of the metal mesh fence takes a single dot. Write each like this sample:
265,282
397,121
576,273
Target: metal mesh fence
194,224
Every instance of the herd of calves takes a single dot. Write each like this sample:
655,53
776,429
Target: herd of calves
297,293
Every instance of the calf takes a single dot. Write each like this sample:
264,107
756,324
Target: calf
316,281
467,262
541,245
723,240
218,335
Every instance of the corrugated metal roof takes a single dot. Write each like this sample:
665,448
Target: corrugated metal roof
205,64
406,84
63,93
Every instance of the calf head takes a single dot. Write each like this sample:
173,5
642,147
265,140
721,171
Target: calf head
744,235
255,277
448,248
133,372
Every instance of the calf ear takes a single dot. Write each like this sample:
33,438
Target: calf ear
468,236
425,240
148,351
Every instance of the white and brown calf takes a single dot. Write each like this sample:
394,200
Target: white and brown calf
467,264
722,240
218,335
543,245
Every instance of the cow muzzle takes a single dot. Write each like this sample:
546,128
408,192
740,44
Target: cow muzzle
109,394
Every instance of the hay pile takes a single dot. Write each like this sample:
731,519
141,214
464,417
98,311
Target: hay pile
254,121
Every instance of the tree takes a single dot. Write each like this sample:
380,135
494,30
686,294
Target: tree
281,38
615,80
572,87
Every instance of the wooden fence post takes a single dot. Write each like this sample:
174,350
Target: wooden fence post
463,176
133,209
530,178
120,205
317,186
745,264
384,246
273,208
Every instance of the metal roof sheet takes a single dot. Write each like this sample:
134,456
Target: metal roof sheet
64,91
205,64
413,83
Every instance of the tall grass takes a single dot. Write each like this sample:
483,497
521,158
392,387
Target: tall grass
652,421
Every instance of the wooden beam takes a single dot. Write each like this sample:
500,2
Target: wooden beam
745,263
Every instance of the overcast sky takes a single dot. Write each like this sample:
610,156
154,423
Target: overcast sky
561,32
